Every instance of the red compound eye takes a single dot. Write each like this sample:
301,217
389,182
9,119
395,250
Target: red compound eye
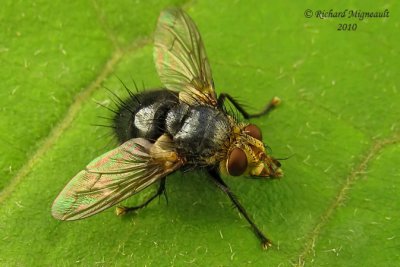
253,131
237,162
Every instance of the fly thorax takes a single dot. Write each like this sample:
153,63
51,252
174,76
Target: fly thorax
200,132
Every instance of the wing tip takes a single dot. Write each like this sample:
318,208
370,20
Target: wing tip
55,212
170,14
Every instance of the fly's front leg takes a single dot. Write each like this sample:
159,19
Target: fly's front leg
121,210
270,106
265,242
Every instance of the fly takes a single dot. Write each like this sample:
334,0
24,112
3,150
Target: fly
184,126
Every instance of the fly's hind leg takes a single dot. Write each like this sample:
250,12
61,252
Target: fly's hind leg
265,242
270,106
121,210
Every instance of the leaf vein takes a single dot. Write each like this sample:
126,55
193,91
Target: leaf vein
376,147
70,115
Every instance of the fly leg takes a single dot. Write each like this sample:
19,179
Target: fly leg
161,190
265,242
270,106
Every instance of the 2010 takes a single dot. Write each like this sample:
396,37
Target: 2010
347,27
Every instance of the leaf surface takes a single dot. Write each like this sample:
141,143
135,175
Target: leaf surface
338,124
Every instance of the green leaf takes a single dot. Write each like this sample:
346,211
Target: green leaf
338,124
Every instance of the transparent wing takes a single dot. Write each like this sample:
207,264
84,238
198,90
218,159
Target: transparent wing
109,179
180,57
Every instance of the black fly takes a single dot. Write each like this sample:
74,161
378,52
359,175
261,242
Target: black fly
161,131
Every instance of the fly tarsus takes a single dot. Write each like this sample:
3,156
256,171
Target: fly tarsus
275,101
265,242
121,210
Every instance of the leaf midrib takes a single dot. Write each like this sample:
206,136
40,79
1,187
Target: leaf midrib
74,108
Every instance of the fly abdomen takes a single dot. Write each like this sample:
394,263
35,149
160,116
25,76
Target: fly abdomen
143,115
